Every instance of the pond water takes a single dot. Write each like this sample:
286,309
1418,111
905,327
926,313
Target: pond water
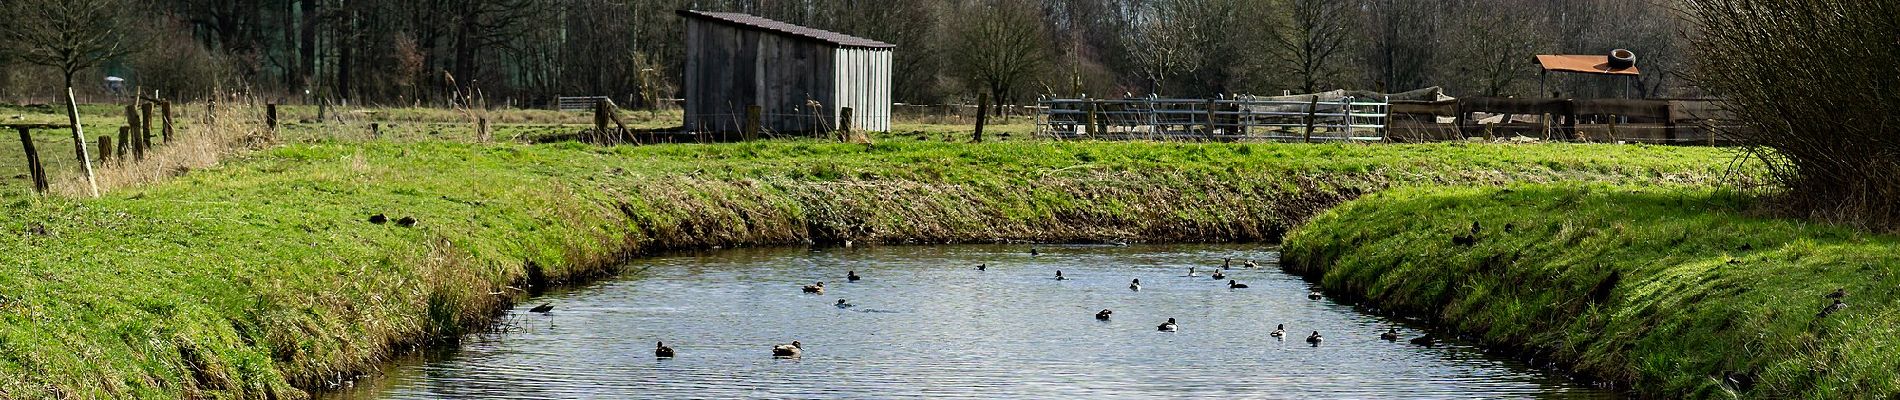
927,323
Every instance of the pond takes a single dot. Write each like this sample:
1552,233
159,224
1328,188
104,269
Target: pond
927,323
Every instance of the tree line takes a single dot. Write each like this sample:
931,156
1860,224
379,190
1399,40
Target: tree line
526,52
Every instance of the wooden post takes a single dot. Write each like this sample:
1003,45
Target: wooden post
32,160
753,114
1092,130
1209,128
844,124
145,124
165,109
481,129
600,121
105,148
1613,128
132,128
270,116
1570,120
125,139
982,110
375,130
1312,111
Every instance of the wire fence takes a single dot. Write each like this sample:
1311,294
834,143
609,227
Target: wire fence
1236,118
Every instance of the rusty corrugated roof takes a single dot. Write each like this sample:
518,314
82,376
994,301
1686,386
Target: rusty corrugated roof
757,22
1582,64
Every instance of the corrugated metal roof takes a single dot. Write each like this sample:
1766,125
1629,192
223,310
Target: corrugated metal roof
1582,64
756,22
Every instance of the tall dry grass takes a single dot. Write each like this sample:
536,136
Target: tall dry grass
205,142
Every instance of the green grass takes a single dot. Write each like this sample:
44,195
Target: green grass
1702,290
260,276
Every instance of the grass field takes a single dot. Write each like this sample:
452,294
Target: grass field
1676,292
261,276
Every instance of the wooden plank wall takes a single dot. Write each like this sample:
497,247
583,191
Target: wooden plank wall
728,68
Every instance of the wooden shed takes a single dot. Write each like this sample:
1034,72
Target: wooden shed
801,77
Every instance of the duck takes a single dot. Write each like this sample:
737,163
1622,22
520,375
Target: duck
1832,308
1226,262
1838,293
1231,284
1135,285
1279,331
982,267
788,350
1033,251
851,276
1192,273
1218,275
378,219
1314,295
1059,276
1314,338
818,288
661,351
1167,326
1391,335
1103,315
1250,264
1426,340
544,308
843,304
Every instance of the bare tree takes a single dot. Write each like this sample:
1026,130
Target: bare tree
1316,31
1162,40
998,45
71,35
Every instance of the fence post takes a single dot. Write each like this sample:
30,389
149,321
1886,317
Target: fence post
1312,109
1613,128
753,114
844,124
125,140
270,116
145,123
1091,129
982,107
1570,120
105,148
1211,103
165,108
32,160
132,127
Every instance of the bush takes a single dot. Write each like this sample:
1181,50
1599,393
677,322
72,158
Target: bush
1814,84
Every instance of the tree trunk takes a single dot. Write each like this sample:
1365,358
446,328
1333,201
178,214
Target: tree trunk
79,137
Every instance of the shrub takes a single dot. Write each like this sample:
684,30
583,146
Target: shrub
1814,84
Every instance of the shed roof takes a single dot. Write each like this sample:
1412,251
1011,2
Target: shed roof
761,23
1582,64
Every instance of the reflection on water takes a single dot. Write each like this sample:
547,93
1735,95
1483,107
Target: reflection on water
928,324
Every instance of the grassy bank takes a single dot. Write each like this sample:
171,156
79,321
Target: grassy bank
1676,292
261,276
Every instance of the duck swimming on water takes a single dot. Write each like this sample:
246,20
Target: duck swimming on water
1059,276
661,351
1226,262
788,350
982,267
1250,264
1231,284
544,308
1103,315
1135,285
1167,326
1279,332
1192,273
1314,338
818,288
851,276
1390,335
1218,275
843,304
1314,295
1427,340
